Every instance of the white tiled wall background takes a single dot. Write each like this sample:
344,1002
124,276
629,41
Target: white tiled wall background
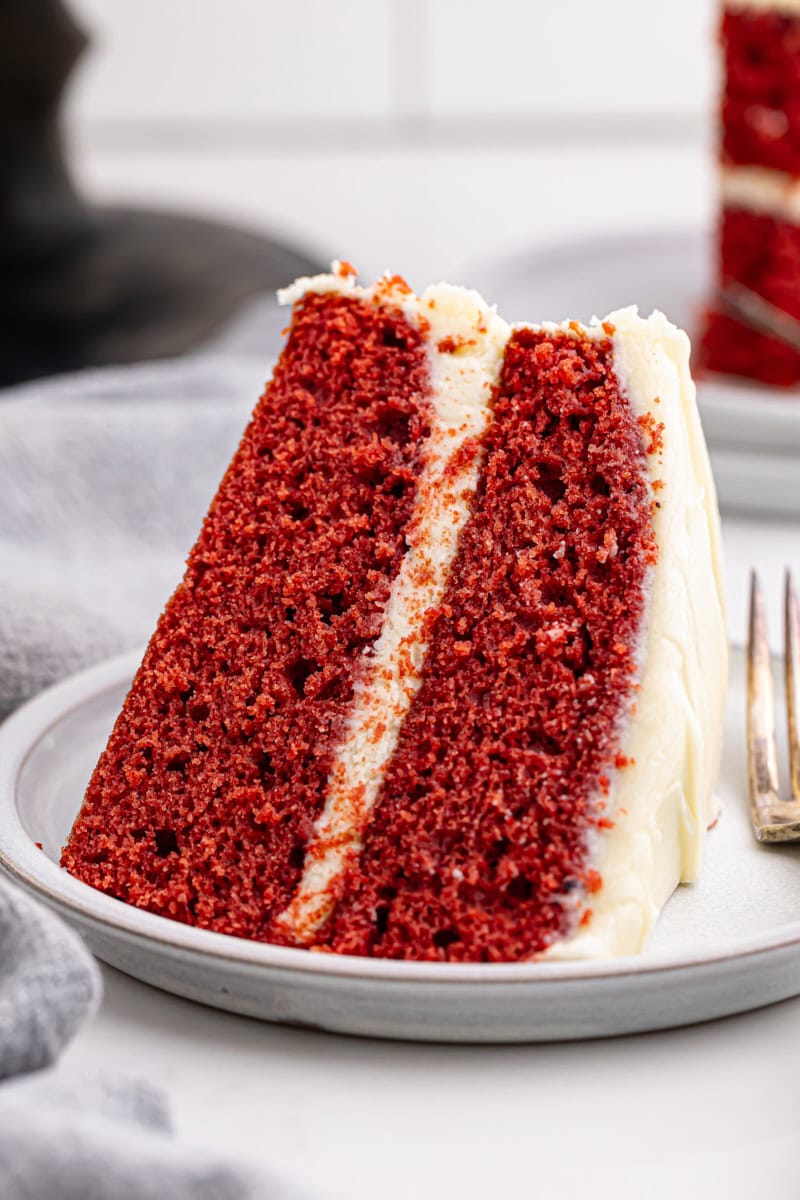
421,134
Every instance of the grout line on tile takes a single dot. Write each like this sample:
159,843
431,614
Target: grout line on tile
412,131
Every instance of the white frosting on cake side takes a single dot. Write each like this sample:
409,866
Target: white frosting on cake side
662,803
466,341
761,190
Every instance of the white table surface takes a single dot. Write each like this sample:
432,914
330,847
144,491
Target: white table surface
707,1111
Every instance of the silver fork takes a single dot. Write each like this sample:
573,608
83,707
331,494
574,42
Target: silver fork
774,819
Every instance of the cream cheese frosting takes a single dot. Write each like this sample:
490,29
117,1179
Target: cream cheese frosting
660,804
788,7
761,190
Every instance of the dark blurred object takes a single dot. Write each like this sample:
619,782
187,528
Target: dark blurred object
82,285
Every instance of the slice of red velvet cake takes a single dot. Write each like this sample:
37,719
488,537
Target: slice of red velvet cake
444,677
753,328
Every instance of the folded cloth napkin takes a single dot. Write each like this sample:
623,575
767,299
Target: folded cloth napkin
106,476
66,1138
48,985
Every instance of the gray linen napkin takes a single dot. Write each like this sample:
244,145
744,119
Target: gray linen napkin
104,479
48,985
64,1137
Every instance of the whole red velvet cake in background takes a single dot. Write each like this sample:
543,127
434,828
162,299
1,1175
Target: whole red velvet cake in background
753,326
444,677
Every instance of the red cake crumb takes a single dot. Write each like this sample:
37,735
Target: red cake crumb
389,286
202,803
527,680
761,100
451,345
655,432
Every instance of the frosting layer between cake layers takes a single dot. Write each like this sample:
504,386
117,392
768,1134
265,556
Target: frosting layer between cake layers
659,804
762,191
788,7
465,346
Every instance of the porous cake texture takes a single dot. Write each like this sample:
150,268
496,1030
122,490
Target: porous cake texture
753,326
444,677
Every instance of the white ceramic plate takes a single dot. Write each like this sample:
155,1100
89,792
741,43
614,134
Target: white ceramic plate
727,944
753,431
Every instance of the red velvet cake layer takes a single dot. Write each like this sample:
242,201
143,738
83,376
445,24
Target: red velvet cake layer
762,254
477,848
730,348
761,100
201,805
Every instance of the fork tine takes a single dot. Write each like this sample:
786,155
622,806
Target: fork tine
792,655
762,755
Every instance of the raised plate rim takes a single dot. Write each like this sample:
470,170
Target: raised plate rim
23,862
